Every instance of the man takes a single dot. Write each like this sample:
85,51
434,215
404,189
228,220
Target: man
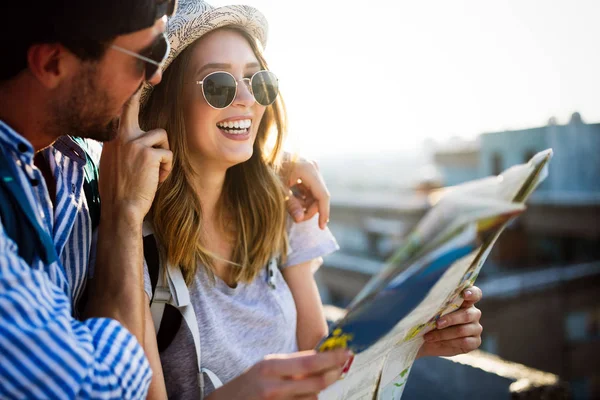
68,68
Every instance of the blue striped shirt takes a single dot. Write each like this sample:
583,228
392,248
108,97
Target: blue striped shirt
46,353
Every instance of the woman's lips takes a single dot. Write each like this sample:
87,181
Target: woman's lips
241,135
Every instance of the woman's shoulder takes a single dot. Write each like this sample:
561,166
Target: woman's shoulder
307,241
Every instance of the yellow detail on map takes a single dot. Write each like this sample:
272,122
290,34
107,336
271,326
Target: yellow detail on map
338,340
414,332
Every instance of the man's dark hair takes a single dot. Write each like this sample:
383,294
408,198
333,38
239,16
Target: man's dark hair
85,27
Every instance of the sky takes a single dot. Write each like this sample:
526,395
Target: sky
384,75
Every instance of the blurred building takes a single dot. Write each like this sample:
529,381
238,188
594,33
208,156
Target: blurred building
575,167
458,161
542,280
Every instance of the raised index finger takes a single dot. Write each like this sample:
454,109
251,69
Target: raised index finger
129,126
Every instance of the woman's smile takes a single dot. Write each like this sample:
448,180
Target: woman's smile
236,128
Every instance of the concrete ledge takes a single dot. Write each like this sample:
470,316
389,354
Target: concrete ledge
528,383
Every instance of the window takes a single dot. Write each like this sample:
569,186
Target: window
581,389
497,164
583,325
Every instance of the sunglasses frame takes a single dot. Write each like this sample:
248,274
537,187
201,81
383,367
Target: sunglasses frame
247,81
158,64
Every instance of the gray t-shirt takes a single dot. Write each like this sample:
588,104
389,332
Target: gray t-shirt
239,326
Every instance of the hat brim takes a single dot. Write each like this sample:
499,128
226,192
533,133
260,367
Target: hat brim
185,28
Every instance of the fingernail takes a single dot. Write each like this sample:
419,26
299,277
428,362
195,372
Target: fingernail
442,323
468,293
347,365
298,215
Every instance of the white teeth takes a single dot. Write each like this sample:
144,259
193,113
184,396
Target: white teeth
239,124
238,132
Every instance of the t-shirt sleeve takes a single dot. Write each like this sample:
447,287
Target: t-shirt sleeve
308,242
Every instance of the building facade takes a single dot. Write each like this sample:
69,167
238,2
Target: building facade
541,282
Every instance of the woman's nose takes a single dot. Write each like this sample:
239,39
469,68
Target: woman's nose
244,96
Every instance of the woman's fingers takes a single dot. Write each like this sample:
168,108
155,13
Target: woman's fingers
454,332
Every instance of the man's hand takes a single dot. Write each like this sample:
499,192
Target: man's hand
132,165
458,332
299,376
308,194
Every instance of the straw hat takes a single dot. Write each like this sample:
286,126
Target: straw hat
195,18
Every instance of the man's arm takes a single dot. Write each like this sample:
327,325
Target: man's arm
117,290
45,353
157,389
131,167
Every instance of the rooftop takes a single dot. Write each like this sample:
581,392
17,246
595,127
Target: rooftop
526,282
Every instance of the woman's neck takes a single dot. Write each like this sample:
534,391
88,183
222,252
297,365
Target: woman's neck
208,185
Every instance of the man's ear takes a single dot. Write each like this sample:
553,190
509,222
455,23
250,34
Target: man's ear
51,63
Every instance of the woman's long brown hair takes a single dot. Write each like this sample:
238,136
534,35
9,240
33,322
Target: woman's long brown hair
252,200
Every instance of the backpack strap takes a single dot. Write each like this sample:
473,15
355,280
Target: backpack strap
90,181
91,191
160,297
170,302
161,294
18,218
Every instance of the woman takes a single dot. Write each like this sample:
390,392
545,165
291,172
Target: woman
220,216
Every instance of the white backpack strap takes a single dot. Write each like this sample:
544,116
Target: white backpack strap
147,228
216,382
162,296
177,286
181,300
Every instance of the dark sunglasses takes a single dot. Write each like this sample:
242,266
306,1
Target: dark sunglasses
155,57
167,8
220,88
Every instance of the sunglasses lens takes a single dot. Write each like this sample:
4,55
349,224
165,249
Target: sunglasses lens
219,89
150,71
265,87
158,53
171,7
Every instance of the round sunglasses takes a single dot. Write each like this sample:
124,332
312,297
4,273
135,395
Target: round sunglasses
154,55
220,88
